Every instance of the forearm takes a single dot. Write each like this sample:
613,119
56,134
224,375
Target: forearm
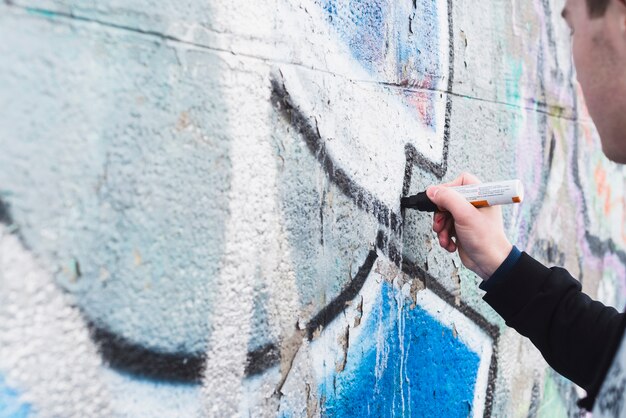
574,334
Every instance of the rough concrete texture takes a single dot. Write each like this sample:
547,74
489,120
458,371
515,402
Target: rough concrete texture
200,205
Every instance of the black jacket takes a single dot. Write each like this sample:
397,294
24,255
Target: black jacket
577,336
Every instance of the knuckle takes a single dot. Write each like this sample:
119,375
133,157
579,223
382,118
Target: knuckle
469,178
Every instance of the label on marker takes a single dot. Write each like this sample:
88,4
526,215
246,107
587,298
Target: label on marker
490,194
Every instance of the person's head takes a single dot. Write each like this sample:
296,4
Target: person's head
599,49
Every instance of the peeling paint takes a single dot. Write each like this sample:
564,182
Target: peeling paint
202,201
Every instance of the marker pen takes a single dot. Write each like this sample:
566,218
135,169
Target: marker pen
480,195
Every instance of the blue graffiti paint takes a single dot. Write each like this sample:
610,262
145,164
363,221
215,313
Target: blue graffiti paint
422,371
41,12
419,49
362,24
415,57
10,404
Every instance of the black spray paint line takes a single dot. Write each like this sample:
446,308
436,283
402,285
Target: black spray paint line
347,295
535,399
361,197
600,247
126,356
430,282
6,218
268,356
262,359
5,214
366,201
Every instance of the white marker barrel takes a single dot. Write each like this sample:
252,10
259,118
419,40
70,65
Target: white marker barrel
490,194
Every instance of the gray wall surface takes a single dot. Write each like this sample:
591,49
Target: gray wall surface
200,205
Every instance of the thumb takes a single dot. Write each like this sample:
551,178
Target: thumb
452,201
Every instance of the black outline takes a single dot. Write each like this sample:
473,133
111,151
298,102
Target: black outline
5,213
261,359
364,200
125,356
338,304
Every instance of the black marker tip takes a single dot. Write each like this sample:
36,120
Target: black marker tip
419,201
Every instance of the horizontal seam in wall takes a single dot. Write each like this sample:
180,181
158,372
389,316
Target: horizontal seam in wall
170,38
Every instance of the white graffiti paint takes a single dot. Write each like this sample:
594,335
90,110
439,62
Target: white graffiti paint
204,181
45,349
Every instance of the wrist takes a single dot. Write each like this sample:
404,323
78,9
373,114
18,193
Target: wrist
496,258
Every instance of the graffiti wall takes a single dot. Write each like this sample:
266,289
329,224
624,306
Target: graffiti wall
199,205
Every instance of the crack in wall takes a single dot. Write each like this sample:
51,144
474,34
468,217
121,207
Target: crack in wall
540,107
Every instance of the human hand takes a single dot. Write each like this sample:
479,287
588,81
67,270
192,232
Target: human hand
478,234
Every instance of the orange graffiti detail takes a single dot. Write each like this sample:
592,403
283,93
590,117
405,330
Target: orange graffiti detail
604,189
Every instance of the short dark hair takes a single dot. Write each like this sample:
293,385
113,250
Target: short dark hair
597,8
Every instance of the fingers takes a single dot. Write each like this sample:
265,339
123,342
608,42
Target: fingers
451,247
452,206
462,180
446,234
450,200
439,220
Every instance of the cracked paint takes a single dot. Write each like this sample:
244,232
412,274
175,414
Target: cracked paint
201,199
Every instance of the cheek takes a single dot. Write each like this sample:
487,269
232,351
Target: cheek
583,61
580,60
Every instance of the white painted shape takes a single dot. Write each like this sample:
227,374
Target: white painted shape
256,249
138,398
46,352
260,396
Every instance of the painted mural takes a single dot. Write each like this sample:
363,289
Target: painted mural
199,205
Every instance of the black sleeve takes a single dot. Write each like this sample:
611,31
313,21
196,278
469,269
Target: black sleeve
577,336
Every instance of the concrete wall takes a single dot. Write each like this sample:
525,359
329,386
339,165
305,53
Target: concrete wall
200,205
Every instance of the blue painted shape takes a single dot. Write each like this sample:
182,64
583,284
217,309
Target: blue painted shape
419,44
414,58
362,24
367,25
41,12
420,369
10,404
